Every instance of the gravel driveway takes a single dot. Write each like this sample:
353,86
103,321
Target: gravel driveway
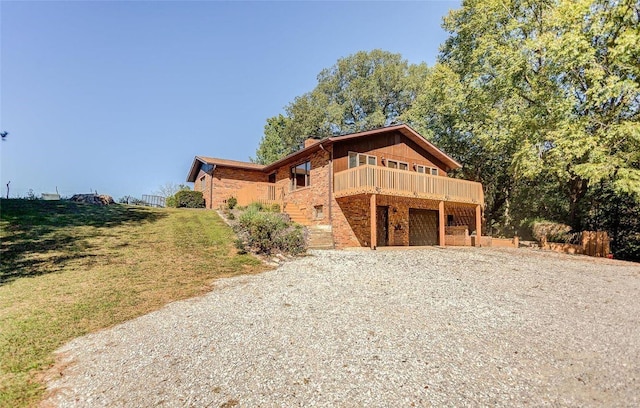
426,327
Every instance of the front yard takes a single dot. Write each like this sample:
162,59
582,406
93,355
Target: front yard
69,269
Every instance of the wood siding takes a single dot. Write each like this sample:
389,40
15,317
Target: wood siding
393,146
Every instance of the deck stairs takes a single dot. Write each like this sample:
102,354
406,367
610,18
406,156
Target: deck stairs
318,236
296,213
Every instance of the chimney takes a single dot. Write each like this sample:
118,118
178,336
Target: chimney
308,142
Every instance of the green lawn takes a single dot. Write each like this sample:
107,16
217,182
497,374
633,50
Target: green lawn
68,269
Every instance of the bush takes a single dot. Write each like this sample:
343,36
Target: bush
239,243
551,231
232,202
291,240
255,206
267,231
186,199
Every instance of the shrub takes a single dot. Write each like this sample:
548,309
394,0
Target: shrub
232,202
255,206
267,231
240,246
551,231
292,240
186,199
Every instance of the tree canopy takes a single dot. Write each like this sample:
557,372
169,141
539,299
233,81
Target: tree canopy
540,96
360,92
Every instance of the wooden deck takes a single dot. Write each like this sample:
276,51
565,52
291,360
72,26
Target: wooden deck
370,179
263,193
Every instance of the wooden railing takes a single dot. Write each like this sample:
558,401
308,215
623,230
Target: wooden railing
381,180
263,193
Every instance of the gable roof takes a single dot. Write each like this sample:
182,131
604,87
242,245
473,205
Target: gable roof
198,161
321,144
406,130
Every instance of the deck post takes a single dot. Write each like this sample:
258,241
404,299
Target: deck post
478,225
374,225
441,239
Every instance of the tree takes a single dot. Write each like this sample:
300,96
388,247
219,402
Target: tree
541,100
363,91
273,144
169,189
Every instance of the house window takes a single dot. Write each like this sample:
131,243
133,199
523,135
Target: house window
203,184
272,178
301,175
318,212
394,164
360,159
450,220
426,170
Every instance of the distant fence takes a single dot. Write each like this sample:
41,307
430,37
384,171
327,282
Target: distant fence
153,200
593,243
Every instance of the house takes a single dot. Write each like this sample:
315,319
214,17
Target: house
383,187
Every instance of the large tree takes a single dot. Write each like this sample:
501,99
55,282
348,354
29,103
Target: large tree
541,100
363,91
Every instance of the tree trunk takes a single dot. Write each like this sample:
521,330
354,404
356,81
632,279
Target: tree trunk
577,191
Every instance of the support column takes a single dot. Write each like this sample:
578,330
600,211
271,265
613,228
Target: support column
374,224
441,223
478,225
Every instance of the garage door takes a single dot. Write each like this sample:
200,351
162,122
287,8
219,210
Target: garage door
423,227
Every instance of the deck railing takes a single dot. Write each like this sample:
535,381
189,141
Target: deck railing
263,193
370,179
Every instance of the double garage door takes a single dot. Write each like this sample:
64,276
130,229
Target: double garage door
423,227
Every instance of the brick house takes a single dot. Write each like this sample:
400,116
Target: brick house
383,187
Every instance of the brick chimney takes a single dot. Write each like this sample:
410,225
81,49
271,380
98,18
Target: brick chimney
308,142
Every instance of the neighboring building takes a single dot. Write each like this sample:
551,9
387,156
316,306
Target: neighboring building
383,187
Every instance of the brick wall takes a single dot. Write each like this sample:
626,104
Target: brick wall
317,194
352,220
226,182
203,184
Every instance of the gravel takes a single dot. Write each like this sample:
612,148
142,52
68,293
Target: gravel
424,327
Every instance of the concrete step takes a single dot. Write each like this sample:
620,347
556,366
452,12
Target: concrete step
320,237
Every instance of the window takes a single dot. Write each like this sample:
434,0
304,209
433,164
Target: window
450,220
272,178
318,212
301,175
359,159
426,170
203,185
394,164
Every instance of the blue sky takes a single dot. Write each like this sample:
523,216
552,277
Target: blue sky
119,97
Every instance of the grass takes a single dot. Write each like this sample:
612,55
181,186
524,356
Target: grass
68,269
